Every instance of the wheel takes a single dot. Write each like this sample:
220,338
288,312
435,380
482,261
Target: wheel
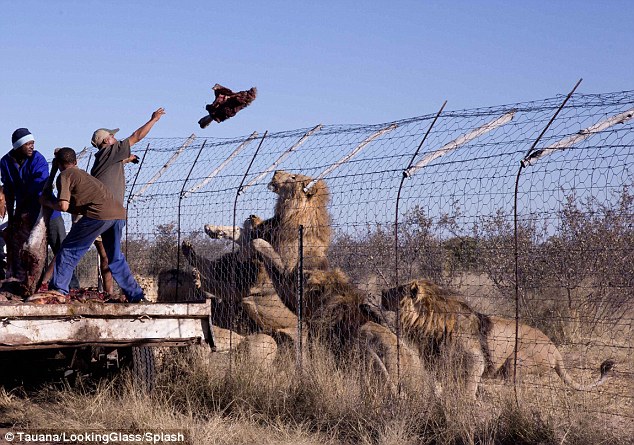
144,367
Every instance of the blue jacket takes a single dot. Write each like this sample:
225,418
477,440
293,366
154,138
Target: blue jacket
25,183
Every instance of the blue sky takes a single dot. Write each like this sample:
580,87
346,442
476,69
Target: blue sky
69,67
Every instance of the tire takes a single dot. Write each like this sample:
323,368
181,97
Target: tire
144,367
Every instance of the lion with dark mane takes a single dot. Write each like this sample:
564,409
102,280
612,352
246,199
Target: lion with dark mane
431,314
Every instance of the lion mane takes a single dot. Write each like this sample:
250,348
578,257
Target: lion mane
298,206
431,313
434,312
330,301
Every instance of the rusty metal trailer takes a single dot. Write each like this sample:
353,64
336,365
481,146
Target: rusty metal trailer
96,335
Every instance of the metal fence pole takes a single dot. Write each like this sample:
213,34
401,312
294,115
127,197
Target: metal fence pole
180,199
233,247
300,299
398,200
515,237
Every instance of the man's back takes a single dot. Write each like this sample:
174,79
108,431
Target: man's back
88,196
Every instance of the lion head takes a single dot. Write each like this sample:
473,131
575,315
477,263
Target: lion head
293,186
426,310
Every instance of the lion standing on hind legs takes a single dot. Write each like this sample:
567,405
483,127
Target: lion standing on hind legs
279,236
432,315
295,207
331,302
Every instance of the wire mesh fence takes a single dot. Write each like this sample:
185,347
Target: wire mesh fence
455,227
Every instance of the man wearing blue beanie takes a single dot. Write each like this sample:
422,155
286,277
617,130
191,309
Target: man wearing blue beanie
24,172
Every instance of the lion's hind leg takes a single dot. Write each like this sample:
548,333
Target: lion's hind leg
396,363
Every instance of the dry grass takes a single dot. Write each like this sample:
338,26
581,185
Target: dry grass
330,402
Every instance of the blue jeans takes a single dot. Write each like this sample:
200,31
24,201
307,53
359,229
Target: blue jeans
76,244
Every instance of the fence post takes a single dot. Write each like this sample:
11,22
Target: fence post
300,299
233,247
180,199
523,163
398,200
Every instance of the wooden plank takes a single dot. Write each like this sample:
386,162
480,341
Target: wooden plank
97,309
106,343
23,332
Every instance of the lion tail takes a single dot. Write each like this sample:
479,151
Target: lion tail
606,367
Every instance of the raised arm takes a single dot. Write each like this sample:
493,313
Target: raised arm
145,129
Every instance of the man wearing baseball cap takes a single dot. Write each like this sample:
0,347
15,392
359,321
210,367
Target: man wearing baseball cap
113,154
24,172
108,168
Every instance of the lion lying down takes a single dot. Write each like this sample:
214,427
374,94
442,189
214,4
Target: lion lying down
429,313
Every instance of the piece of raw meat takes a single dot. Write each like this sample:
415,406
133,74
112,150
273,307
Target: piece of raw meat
226,104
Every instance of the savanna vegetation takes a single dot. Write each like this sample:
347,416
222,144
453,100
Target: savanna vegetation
576,280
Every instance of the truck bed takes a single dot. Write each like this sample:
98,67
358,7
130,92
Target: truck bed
38,326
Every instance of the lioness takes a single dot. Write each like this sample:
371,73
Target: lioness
429,312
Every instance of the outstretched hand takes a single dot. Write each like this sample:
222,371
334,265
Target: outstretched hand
133,158
158,113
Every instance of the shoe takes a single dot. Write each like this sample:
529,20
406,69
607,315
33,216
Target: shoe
141,300
116,299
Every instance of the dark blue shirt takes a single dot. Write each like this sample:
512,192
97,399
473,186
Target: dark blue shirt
25,182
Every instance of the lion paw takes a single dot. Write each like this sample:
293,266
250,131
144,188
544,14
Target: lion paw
222,232
262,246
